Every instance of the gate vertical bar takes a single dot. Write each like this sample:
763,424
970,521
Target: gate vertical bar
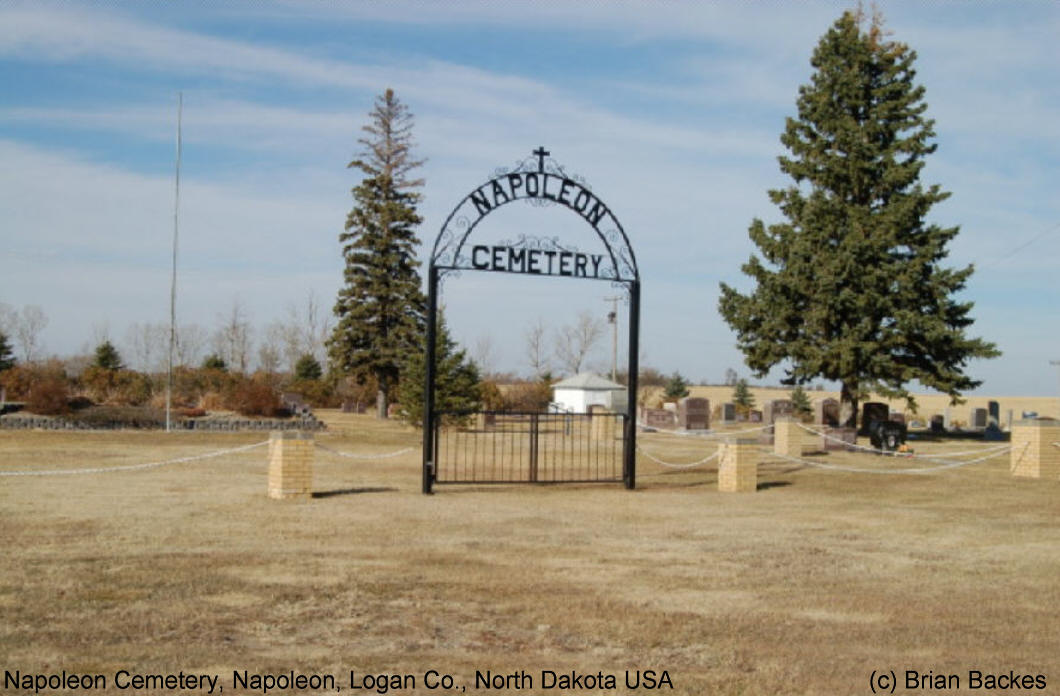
629,467
533,447
429,424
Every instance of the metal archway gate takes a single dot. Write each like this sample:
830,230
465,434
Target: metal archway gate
492,447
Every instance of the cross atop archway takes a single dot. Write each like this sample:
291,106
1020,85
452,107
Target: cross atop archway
541,153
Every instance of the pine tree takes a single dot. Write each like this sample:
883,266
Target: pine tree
381,307
742,396
107,357
456,386
308,367
676,387
7,357
852,287
800,402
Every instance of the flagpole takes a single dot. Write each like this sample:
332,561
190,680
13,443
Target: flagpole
173,278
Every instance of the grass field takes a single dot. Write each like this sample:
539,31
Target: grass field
805,587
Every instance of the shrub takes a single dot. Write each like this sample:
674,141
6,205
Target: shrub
17,381
132,388
491,396
49,396
250,398
317,393
214,362
533,397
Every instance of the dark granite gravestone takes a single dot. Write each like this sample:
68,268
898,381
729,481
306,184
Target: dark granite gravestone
693,413
728,412
872,412
826,412
993,422
977,418
938,426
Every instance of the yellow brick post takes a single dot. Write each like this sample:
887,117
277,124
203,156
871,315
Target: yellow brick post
1034,452
791,440
738,466
290,464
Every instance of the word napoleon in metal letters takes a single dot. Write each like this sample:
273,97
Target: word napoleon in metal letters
539,181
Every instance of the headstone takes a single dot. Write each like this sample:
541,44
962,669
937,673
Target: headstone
977,418
834,439
873,412
294,403
693,413
754,416
938,426
728,412
658,418
777,408
826,412
993,413
670,406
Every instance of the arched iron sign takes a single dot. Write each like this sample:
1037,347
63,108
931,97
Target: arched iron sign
540,181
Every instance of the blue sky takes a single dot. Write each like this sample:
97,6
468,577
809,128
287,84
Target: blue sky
671,111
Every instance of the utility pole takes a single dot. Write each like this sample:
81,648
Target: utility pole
612,319
173,278
1056,364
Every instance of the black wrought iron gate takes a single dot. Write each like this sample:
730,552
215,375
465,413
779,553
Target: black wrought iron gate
495,447
555,447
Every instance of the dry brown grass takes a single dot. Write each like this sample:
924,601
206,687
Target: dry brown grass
805,587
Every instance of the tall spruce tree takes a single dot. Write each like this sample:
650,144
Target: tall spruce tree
852,287
381,307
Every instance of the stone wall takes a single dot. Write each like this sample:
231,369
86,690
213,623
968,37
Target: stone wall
30,422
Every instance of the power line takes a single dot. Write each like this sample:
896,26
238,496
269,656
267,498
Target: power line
1023,246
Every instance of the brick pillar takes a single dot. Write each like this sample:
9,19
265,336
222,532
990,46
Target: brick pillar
790,439
290,464
1033,453
738,466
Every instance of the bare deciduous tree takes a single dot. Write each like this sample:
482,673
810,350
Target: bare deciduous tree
576,341
28,325
483,355
232,339
148,345
536,353
188,347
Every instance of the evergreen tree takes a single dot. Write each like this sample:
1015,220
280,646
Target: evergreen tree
800,402
852,287
107,357
308,367
7,357
742,396
456,385
381,307
213,361
676,387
